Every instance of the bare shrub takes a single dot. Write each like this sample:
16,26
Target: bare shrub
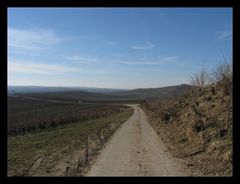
223,76
200,80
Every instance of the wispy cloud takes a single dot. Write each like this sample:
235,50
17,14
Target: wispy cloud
147,45
139,62
161,61
32,39
29,67
82,60
223,35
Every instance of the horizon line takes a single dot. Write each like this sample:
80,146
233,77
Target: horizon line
94,87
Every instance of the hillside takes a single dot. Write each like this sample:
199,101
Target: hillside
45,89
197,127
154,93
135,95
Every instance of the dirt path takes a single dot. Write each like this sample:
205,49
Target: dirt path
136,150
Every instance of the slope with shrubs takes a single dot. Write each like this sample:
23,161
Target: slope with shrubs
197,126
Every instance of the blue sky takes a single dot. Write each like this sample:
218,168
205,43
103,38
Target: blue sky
115,47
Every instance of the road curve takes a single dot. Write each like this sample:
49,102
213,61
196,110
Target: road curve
136,150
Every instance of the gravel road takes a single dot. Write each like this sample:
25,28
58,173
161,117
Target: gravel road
136,150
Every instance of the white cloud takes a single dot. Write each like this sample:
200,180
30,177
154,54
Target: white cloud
147,45
31,39
82,60
222,35
29,67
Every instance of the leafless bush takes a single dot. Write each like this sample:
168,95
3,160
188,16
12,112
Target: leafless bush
200,80
223,76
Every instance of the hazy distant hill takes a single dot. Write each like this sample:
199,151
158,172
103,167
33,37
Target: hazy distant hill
151,93
43,89
99,94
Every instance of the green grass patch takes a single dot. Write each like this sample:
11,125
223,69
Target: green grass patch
53,144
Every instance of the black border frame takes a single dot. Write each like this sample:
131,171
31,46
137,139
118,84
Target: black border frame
123,3
4,4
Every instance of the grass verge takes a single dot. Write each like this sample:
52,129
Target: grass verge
63,150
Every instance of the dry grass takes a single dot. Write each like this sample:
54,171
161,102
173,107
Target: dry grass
198,127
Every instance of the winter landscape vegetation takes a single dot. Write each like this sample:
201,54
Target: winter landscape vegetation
120,92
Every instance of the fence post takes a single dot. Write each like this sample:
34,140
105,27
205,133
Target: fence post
99,135
86,155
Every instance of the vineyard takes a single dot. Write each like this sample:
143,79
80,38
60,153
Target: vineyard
84,97
27,115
